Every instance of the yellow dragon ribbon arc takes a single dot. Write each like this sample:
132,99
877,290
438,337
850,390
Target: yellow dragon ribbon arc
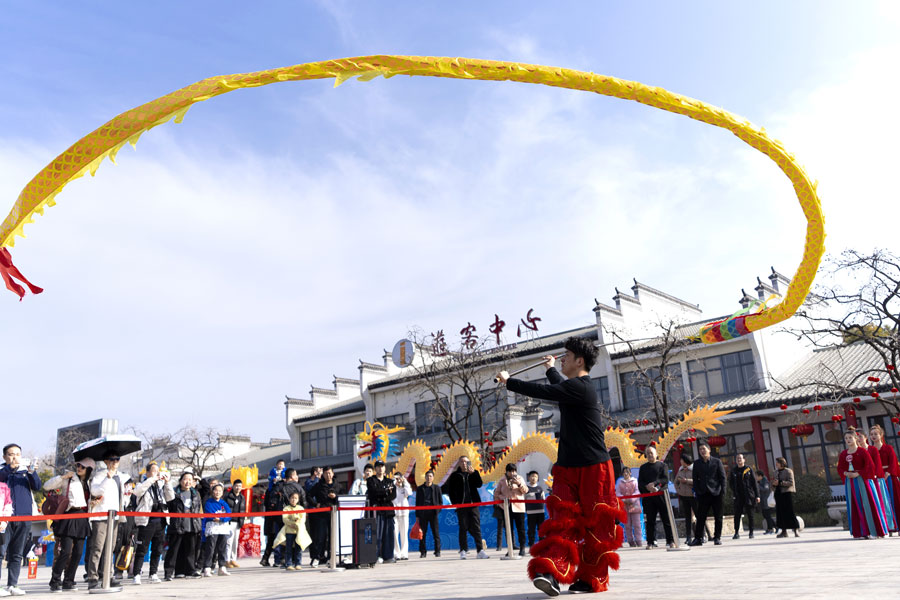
87,153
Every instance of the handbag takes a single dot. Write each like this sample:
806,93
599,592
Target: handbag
123,561
416,532
770,501
56,503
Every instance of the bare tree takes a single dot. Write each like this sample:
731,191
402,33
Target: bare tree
858,302
200,449
458,386
657,376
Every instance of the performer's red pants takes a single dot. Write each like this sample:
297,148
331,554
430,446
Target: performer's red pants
580,537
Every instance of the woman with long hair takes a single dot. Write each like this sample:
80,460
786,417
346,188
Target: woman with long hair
785,517
855,469
875,477
70,534
890,479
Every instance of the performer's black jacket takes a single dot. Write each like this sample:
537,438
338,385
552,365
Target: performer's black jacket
581,437
709,477
463,487
428,495
652,473
381,493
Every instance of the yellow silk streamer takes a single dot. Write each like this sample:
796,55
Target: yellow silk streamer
88,152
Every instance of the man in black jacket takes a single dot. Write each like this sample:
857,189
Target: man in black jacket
580,537
746,493
709,488
324,493
652,477
462,487
429,494
380,491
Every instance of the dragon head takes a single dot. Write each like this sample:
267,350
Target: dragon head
375,442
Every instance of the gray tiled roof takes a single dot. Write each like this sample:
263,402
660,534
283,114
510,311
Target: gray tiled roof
846,366
341,408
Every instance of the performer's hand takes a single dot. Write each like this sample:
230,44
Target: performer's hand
549,361
503,377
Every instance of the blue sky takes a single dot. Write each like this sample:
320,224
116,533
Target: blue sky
280,234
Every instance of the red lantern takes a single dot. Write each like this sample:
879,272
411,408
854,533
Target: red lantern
857,400
851,412
717,441
817,407
693,430
784,407
646,421
637,422
680,447
874,379
652,443
630,431
487,433
805,429
640,447
894,390
444,446
490,443
805,411
895,419
653,431
793,431
875,395
890,367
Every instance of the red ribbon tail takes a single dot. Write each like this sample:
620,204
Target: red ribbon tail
8,270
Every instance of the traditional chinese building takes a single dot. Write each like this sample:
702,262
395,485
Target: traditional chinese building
767,378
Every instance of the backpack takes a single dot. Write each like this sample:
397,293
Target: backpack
275,497
56,503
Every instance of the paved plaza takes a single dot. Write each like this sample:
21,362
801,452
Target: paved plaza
823,563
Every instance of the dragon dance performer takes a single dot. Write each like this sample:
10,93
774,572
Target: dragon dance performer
580,538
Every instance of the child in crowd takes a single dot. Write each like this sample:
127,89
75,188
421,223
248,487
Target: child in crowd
292,523
216,531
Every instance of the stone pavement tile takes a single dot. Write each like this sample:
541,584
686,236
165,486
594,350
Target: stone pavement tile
812,566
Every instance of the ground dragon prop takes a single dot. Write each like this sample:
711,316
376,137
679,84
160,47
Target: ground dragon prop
378,442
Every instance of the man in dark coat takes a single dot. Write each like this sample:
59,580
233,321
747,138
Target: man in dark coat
429,494
462,487
380,491
324,494
746,494
709,488
653,478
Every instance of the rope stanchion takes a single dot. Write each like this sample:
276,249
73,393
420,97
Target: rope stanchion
678,547
107,557
332,559
510,555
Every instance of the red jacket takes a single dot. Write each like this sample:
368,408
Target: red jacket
889,460
860,460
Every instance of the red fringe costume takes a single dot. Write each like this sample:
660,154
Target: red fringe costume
577,544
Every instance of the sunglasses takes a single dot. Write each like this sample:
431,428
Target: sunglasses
80,466
113,458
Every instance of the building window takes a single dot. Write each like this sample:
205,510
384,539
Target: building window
891,430
636,388
346,436
743,443
602,384
316,443
393,420
817,453
428,418
493,413
723,375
